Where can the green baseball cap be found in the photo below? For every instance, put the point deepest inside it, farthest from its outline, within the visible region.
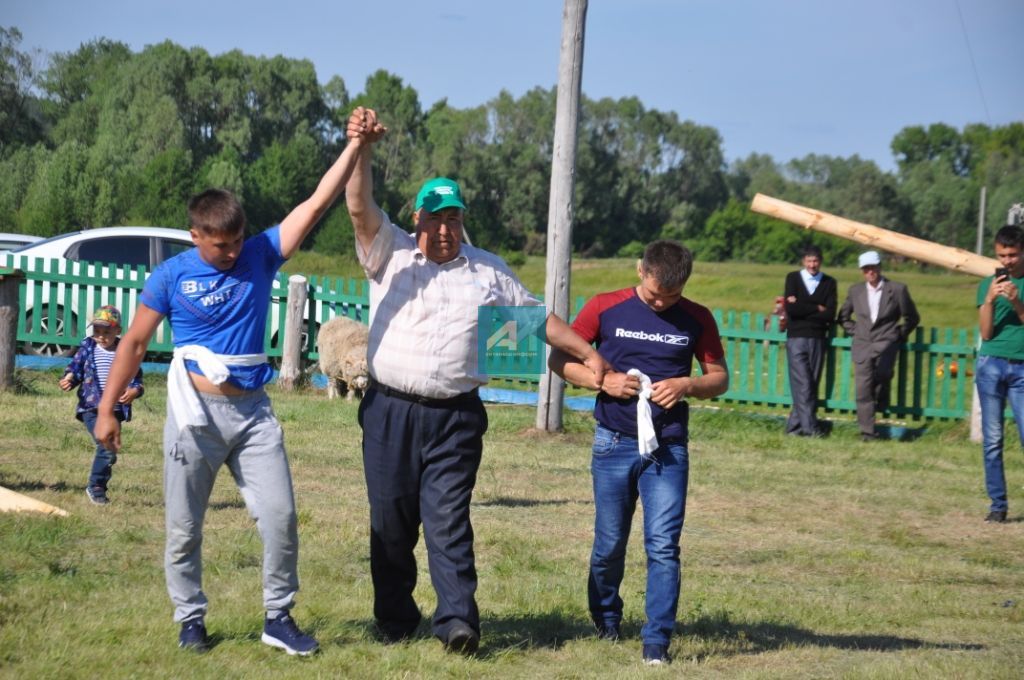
(439, 193)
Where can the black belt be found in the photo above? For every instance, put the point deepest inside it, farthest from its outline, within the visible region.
(458, 399)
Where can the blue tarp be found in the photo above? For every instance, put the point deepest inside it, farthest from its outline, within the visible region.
(488, 394)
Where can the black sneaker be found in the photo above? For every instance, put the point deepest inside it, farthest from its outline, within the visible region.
(282, 633)
(656, 655)
(997, 516)
(97, 494)
(462, 639)
(610, 632)
(193, 636)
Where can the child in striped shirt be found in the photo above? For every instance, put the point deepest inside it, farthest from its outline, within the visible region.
(88, 370)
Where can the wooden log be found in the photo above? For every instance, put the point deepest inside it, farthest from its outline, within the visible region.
(12, 501)
(919, 249)
(8, 326)
(291, 359)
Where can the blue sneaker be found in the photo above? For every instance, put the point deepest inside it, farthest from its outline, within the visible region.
(97, 494)
(655, 655)
(282, 633)
(193, 636)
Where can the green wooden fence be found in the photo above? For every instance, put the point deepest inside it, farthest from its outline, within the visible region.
(933, 371)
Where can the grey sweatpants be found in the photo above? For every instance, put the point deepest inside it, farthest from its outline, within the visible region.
(243, 433)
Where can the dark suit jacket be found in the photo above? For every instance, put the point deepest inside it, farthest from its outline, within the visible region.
(897, 319)
(804, 320)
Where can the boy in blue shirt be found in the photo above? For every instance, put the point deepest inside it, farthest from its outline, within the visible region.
(88, 370)
(216, 298)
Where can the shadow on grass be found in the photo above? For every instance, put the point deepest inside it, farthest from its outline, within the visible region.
(755, 638)
(22, 485)
(505, 502)
(537, 631)
(224, 505)
(899, 433)
(531, 631)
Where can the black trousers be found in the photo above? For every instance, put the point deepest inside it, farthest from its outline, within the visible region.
(420, 461)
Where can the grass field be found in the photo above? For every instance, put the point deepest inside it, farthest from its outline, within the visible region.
(944, 299)
(802, 559)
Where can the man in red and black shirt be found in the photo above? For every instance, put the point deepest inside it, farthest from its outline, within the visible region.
(651, 328)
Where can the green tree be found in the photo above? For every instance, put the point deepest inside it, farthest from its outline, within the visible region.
(59, 198)
(20, 120)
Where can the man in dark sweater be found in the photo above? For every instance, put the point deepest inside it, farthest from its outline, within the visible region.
(811, 301)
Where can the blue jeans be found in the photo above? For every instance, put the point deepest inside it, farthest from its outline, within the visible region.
(998, 381)
(621, 475)
(104, 459)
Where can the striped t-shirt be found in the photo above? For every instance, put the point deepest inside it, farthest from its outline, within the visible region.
(103, 358)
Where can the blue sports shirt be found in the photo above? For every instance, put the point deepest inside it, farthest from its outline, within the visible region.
(224, 311)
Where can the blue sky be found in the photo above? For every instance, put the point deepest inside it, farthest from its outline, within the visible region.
(787, 78)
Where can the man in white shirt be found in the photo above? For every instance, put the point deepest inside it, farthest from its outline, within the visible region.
(422, 418)
(880, 315)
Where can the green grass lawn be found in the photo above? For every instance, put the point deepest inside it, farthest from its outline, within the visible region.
(944, 299)
(801, 559)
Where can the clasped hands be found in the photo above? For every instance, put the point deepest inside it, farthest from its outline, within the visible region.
(665, 393)
(363, 125)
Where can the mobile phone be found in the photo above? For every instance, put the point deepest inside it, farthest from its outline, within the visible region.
(1001, 272)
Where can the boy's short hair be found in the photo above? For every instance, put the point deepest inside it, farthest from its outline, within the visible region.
(216, 211)
(1010, 236)
(669, 262)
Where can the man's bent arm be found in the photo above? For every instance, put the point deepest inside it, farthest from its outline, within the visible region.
(560, 335)
(572, 370)
(713, 383)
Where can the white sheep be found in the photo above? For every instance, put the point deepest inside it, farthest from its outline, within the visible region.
(341, 344)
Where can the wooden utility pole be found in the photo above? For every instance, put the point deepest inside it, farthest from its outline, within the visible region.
(981, 223)
(560, 205)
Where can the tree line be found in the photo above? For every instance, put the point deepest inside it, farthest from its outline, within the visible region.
(103, 136)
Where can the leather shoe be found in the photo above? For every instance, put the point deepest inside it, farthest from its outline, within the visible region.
(997, 516)
(462, 639)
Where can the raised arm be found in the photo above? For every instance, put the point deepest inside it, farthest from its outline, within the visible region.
(364, 211)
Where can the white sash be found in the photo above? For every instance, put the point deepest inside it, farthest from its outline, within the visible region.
(182, 399)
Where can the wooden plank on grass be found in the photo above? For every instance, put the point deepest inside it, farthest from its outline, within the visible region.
(12, 501)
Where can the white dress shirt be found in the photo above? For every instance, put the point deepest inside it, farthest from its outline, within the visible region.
(874, 298)
(811, 281)
(424, 315)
